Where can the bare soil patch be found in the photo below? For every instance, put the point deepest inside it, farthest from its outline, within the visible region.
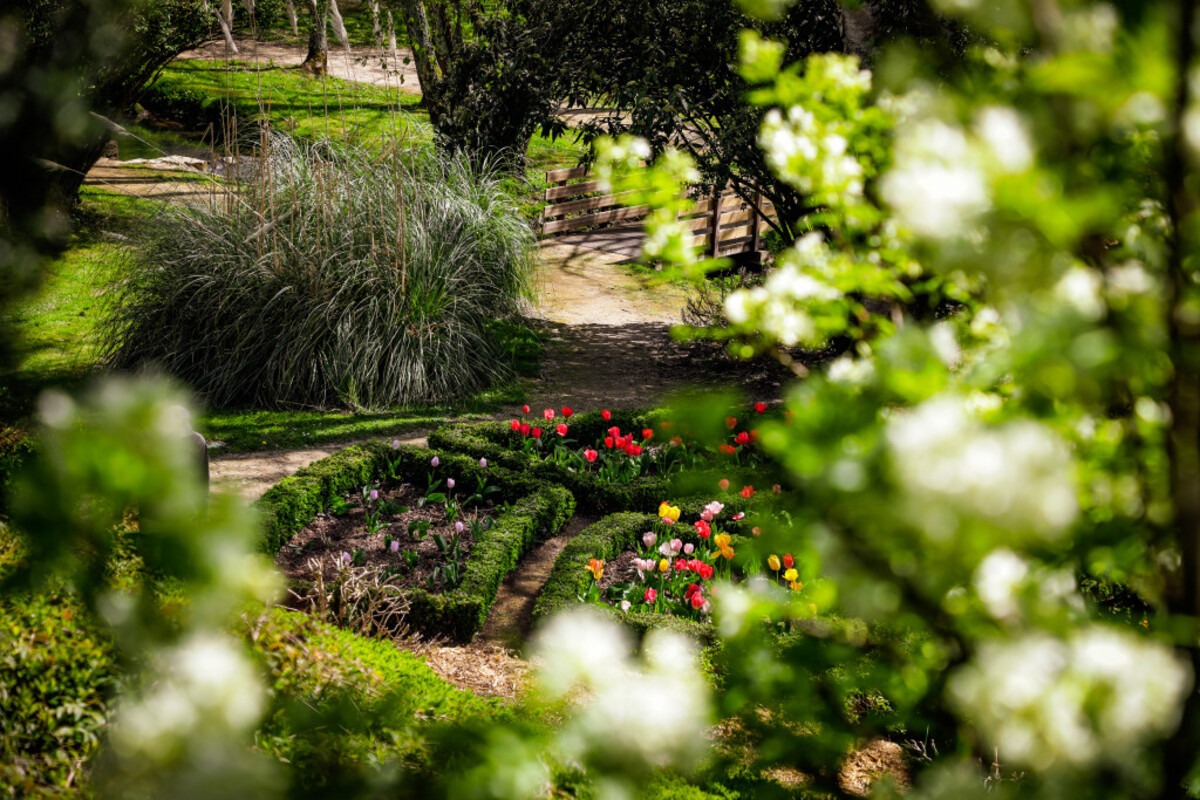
(412, 542)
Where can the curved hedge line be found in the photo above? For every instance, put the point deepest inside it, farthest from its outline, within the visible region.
(540, 511)
(570, 578)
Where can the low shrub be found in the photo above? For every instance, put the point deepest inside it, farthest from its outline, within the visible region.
(57, 674)
(337, 277)
(343, 704)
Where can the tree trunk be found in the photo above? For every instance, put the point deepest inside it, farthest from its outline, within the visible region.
(317, 60)
(1184, 400)
(425, 58)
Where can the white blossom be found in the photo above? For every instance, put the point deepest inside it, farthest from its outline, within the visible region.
(937, 187)
(1004, 132)
(653, 713)
(1016, 476)
(1096, 697)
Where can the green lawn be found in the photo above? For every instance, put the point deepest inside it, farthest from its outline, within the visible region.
(293, 101)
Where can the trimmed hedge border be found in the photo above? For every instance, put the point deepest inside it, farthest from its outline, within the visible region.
(540, 511)
(606, 539)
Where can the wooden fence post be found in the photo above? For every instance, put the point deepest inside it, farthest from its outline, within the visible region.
(714, 247)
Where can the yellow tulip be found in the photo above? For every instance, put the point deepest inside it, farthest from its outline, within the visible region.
(727, 553)
(596, 567)
(791, 575)
(664, 565)
(721, 540)
(773, 562)
(796, 586)
(668, 511)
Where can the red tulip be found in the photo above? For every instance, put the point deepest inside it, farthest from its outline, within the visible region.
(691, 590)
(724, 484)
(536, 433)
(697, 600)
(525, 428)
(747, 492)
(561, 429)
(590, 455)
(706, 571)
(548, 414)
(647, 434)
(515, 424)
(608, 442)
(703, 528)
(788, 561)
(567, 412)
(614, 431)
(524, 409)
(606, 415)
(681, 565)
(676, 441)
(731, 422)
(727, 448)
(742, 438)
(633, 449)
(650, 595)
(760, 407)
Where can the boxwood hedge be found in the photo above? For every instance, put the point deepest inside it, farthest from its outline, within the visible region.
(542, 510)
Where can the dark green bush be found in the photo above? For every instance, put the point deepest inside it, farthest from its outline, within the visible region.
(15, 449)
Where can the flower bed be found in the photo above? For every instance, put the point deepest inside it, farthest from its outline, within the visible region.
(456, 604)
(611, 461)
(651, 571)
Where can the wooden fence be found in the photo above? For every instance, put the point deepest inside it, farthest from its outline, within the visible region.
(722, 223)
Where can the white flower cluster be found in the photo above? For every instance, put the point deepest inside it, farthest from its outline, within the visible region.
(207, 692)
(1003, 580)
(939, 184)
(811, 154)
(953, 469)
(653, 715)
(776, 308)
(809, 145)
(1093, 698)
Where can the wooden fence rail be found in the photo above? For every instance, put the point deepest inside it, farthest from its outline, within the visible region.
(723, 224)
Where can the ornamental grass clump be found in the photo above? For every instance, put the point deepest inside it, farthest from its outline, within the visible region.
(333, 277)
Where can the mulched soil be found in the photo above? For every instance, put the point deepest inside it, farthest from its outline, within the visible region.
(320, 546)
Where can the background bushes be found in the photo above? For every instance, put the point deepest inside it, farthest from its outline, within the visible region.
(335, 277)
